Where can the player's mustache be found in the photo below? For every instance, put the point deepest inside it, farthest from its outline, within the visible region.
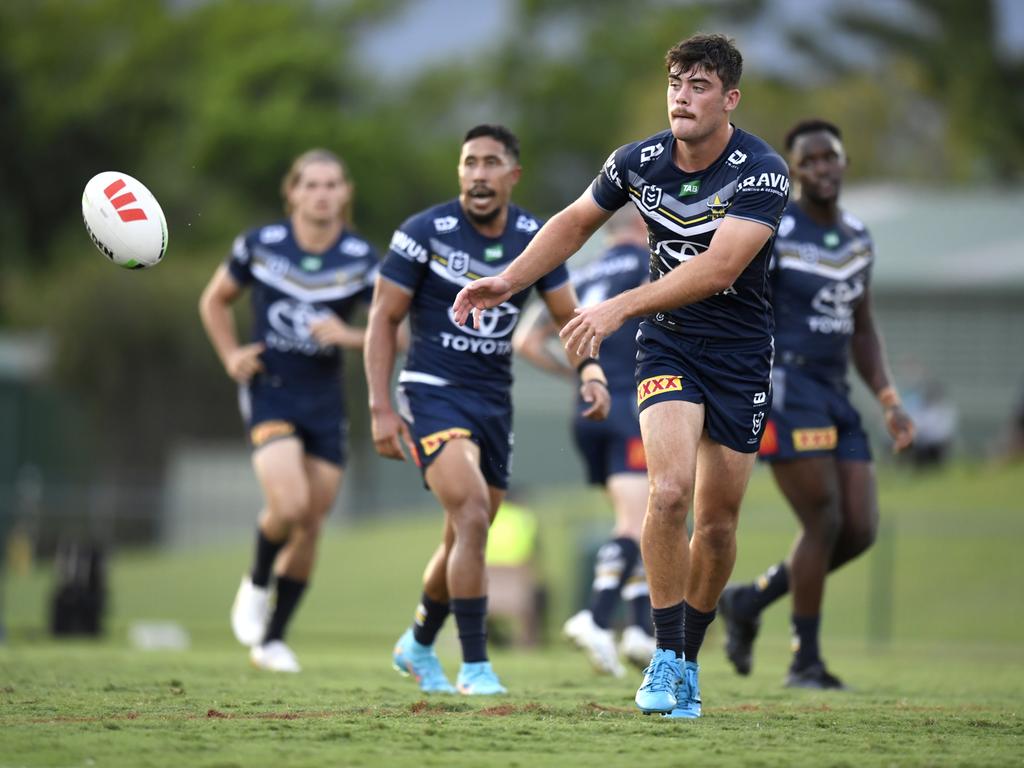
(481, 191)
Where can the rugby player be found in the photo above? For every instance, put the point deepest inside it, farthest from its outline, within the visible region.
(819, 453)
(712, 195)
(308, 273)
(454, 398)
(612, 450)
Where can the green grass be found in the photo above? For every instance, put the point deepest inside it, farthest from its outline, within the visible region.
(939, 678)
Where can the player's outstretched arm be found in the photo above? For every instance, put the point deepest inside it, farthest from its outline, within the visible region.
(733, 247)
(390, 306)
(562, 303)
(557, 240)
(868, 351)
(241, 362)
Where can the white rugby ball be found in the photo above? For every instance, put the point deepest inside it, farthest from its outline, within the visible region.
(124, 220)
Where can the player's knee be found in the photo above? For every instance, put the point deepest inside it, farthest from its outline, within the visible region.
(293, 508)
(822, 519)
(471, 519)
(860, 536)
(717, 534)
(669, 502)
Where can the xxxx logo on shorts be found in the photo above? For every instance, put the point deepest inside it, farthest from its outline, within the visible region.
(821, 439)
(657, 385)
(431, 443)
(266, 431)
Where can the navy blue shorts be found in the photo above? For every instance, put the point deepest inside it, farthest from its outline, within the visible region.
(731, 379)
(437, 414)
(612, 446)
(812, 417)
(272, 411)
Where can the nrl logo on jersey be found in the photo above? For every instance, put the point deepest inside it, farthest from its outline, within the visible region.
(458, 263)
(446, 224)
(649, 153)
(650, 197)
(611, 171)
(527, 224)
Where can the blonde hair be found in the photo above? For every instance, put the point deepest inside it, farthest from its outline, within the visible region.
(309, 157)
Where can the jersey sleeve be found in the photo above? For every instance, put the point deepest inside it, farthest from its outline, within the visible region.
(408, 255)
(609, 189)
(239, 261)
(554, 279)
(762, 193)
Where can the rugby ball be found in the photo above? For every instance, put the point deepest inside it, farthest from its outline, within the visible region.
(124, 220)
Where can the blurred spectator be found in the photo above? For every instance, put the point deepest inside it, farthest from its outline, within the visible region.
(936, 418)
(516, 591)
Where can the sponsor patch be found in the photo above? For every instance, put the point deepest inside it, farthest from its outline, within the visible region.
(431, 443)
(689, 188)
(656, 385)
(493, 252)
(266, 431)
(819, 439)
(636, 459)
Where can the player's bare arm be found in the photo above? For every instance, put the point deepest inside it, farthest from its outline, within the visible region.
(733, 247)
(557, 240)
(562, 304)
(332, 330)
(531, 338)
(241, 362)
(868, 352)
(390, 306)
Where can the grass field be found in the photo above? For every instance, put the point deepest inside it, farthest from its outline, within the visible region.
(928, 629)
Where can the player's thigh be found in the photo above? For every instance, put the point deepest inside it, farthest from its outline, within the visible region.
(455, 477)
(721, 480)
(628, 492)
(811, 486)
(282, 477)
(859, 497)
(671, 433)
(324, 481)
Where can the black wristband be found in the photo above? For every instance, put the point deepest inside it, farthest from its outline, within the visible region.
(584, 363)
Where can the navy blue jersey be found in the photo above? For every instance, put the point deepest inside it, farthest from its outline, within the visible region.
(620, 268)
(818, 278)
(683, 210)
(292, 288)
(433, 255)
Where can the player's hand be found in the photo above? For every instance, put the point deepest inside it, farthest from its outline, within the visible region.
(244, 363)
(901, 428)
(592, 325)
(595, 392)
(331, 330)
(479, 295)
(390, 433)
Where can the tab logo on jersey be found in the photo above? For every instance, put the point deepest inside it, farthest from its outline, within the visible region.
(831, 239)
(493, 252)
(458, 263)
(650, 152)
(446, 224)
(431, 443)
(689, 188)
(311, 263)
(650, 197)
(405, 246)
(820, 439)
(657, 385)
(527, 224)
(737, 158)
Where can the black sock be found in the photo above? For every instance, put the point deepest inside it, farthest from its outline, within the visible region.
(695, 625)
(668, 628)
(765, 590)
(805, 641)
(288, 593)
(615, 561)
(470, 618)
(266, 553)
(430, 616)
(638, 595)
